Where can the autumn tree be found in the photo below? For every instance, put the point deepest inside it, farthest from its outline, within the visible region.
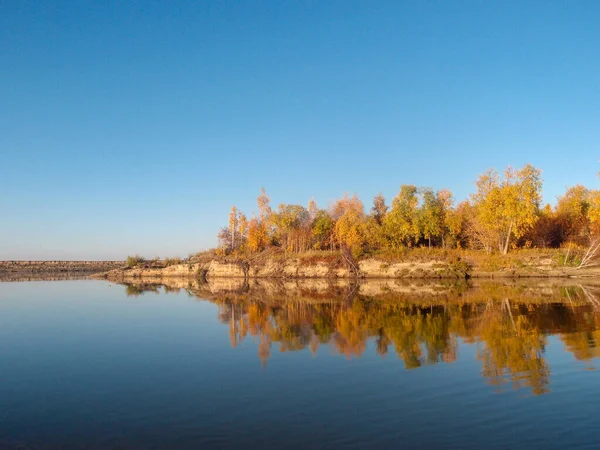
(292, 223)
(264, 207)
(546, 231)
(233, 237)
(233, 226)
(507, 208)
(430, 215)
(258, 238)
(373, 229)
(312, 209)
(400, 222)
(258, 229)
(593, 213)
(322, 231)
(224, 239)
(572, 215)
(374, 235)
(242, 231)
(456, 224)
(379, 209)
(445, 200)
(349, 216)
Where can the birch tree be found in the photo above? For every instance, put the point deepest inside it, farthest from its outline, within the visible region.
(430, 215)
(400, 222)
(233, 225)
(507, 208)
(349, 217)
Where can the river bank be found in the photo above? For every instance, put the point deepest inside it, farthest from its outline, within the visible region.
(414, 264)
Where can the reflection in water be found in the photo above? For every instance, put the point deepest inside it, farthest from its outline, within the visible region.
(421, 323)
(6, 277)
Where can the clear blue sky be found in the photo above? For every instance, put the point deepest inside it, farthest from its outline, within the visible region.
(133, 126)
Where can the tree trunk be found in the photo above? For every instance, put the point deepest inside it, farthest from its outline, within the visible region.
(505, 251)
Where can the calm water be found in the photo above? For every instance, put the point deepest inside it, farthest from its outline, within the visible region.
(92, 364)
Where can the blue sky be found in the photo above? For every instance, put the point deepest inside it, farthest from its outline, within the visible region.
(132, 127)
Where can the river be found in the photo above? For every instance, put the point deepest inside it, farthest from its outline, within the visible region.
(302, 364)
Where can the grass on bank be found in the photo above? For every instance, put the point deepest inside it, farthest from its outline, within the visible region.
(156, 263)
(518, 259)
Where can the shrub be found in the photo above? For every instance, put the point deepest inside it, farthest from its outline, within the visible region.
(133, 261)
(459, 267)
(172, 261)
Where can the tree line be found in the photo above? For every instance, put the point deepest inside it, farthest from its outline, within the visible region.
(504, 213)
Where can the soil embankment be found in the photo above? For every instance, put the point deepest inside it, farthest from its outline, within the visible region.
(412, 266)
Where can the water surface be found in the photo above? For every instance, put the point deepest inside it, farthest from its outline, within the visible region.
(92, 364)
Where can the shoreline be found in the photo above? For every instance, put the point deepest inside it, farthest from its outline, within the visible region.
(23, 267)
(412, 266)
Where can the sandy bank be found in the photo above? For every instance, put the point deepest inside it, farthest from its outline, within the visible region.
(335, 268)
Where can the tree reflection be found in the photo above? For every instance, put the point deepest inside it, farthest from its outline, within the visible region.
(508, 325)
(584, 342)
(513, 349)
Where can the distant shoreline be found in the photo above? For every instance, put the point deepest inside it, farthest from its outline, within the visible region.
(54, 267)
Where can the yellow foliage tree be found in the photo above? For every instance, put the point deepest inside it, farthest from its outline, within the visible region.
(349, 217)
(264, 208)
(258, 238)
(242, 230)
(233, 225)
(593, 213)
(400, 222)
(508, 208)
(572, 214)
(456, 223)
